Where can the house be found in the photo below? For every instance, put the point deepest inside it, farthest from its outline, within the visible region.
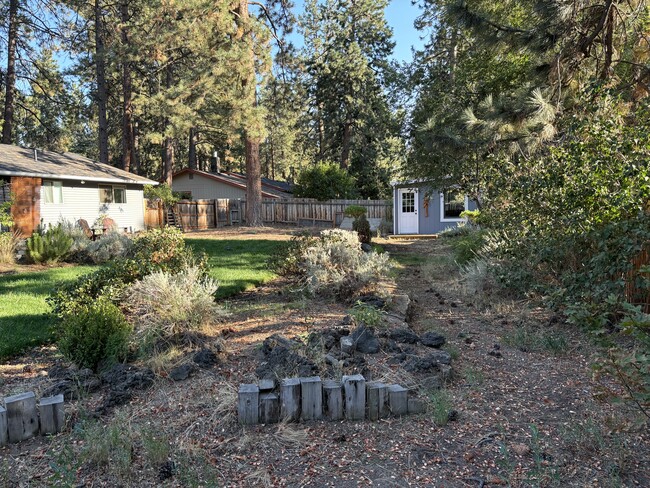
(201, 185)
(420, 209)
(48, 187)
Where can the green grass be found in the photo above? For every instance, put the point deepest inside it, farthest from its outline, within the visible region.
(23, 322)
(239, 265)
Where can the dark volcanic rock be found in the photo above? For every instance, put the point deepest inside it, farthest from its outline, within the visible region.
(428, 363)
(365, 340)
(433, 339)
(126, 377)
(280, 360)
(182, 372)
(206, 358)
(372, 300)
(405, 336)
(389, 345)
(72, 383)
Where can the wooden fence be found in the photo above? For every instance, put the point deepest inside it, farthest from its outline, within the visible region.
(635, 294)
(209, 214)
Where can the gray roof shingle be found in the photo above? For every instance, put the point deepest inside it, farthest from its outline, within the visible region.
(20, 161)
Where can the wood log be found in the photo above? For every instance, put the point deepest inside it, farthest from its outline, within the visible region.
(376, 400)
(3, 427)
(354, 387)
(333, 400)
(290, 399)
(266, 384)
(312, 398)
(22, 417)
(416, 405)
(398, 400)
(248, 405)
(52, 414)
(269, 411)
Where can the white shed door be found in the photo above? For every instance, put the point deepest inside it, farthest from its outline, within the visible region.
(408, 211)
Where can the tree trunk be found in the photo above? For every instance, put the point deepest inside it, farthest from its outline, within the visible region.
(7, 126)
(346, 143)
(168, 160)
(253, 169)
(102, 90)
(128, 142)
(192, 148)
(135, 166)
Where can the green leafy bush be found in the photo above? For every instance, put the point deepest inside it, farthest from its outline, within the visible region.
(155, 250)
(49, 247)
(287, 260)
(161, 192)
(467, 246)
(164, 305)
(325, 182)
(97, 333)
(355, 211)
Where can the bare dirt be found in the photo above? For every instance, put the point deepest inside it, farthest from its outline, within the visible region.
(523, 417)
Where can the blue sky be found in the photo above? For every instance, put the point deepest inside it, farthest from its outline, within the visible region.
(400, 15)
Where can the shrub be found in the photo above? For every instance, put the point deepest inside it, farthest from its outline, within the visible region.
(50, 246)
(112, 245)
(163, 305)
(335, 264)
(355, 211)
(156, 250)
(8, 245)
(287, 260)
(96, 333)
(362, 227)
(467, 246)
(325, 182)
(161, 192)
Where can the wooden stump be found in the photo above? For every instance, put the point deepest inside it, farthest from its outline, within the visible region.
(22, 418)
(398, 400)
(3, 427)
(376, 398)
(266, 385)
(312, 398)
(290, 399)
(52, 414)
(248, 406)
(416, 405)
(269, 410)
(333, 400)
(355, 397)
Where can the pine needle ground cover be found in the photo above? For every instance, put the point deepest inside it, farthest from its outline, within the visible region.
(23, 322)
(238, 265)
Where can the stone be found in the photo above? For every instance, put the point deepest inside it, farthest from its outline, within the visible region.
(290, 399)
(125, 377)
(206, 358)
(347, 345)
(391, 346)
(22, 417)
(433, 339)
(427, 363)
(354, 387)
(52, 415)
(373, 301)
(365, 341)
(392, 321)
(182, 372)
(400, 304)
(281, 361)
(248, 404)
(405, 336)
(366, 247)
(72, 383)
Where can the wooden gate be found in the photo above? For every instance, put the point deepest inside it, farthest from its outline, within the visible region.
(26, 210)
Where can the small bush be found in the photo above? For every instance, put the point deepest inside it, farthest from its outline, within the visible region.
(355, 211)
(8, 245)
(366, 314)
(112, 245)
(467, 246)
(362, 227)
(50, 246)
(287, 261)
(164, 305)
(96, 333)
(335, 264)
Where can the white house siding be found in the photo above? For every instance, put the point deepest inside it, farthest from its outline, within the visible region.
(82, 202)
(203, 188)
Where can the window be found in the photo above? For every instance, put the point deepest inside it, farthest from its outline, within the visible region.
(112, 194)
(53, 192)
(408, 202)
(452, 204)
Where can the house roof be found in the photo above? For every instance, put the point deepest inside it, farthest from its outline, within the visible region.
(236, 180)
(20, 161)
(283, 186)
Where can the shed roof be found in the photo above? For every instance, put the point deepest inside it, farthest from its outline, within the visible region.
(20, 161)
(236, 180)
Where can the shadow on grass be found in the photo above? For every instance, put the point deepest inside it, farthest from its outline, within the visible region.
(20, 332)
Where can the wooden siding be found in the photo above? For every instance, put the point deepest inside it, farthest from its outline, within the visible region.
(208, 214)
(82, 202)
(26, 207)
(203, 188)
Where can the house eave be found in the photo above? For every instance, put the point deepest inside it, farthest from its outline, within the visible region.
(76, 178)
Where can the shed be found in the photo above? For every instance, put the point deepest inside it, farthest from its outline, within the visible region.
(420, 209)
(201, 185)
(48, 187)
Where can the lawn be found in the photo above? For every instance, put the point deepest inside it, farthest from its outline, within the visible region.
(22, 306)
(238, 265)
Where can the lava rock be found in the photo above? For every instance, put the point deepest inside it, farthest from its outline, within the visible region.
(433, 339)
(405, 336)
(401, 304)
(205, 358)
(452, 416)
(72, 383)
(347, 320)
(366, 247)
(428, 363)
(495, 354)
(390, 345)
(182, 372)
(373, 301)
(126, 377)
(166, 470)
(365, 340)
(280, 360)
